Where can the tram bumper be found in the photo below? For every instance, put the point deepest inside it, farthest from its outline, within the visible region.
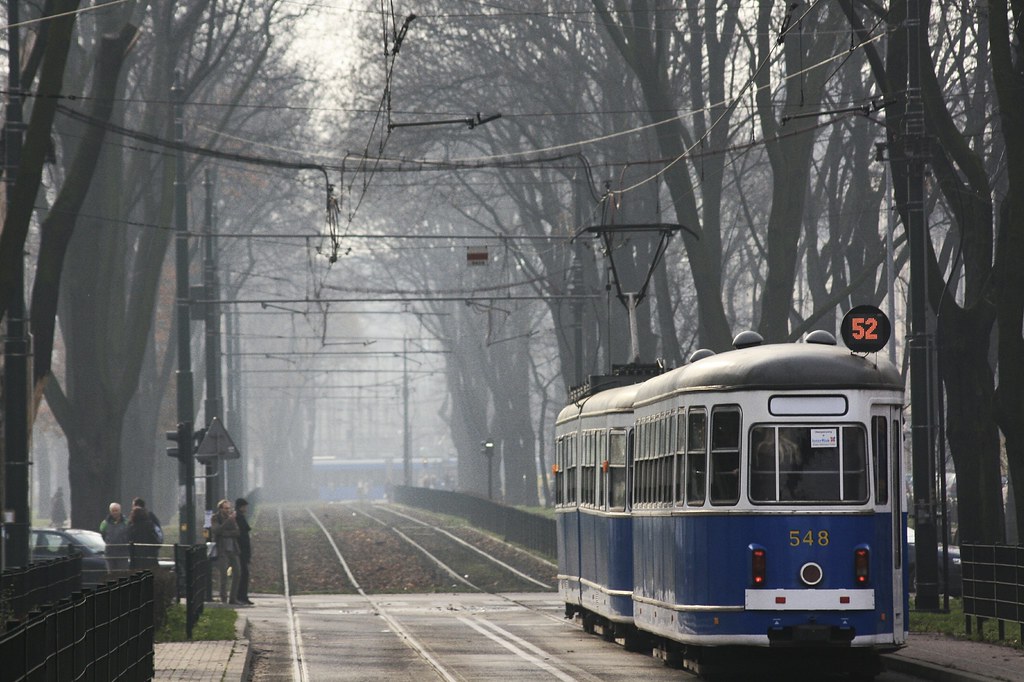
(811, 634)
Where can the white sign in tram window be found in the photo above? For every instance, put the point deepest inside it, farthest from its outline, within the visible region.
(824, 438)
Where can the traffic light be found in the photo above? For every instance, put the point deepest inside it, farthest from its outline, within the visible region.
(487, 449)
(182, 437)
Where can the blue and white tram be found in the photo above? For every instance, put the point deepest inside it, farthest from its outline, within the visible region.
(765, 499)
(591, 443)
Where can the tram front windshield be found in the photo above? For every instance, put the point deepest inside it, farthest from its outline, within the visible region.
(814, 464)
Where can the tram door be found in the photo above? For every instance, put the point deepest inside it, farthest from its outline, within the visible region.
(887, 440)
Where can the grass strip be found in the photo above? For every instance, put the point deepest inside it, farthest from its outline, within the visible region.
(215, 624)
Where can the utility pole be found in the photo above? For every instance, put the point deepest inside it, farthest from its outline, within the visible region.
(186, 413)
(233, 469)
(17, 344)
(406, 436)
(926, 538)
(216, 485)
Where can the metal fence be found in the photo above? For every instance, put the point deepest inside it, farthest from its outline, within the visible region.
(993, 582)
(523, 528)
(98, 634)
(25, 589)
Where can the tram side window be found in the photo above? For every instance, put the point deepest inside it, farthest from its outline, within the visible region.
(696, 456)
(617, 471)
(763, 465)
(638, 468)
(602, 457)
(855, 466)
(880, 458)
(663, 490)
(725, 455)
(587, 469)
(560, 472)
(680, 455)
(641, 483)
(570, 470)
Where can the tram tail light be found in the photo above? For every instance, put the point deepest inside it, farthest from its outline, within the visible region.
(861, 571)
(758, 566)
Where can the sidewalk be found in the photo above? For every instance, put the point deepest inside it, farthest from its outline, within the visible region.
(206, 661)
(946, 659)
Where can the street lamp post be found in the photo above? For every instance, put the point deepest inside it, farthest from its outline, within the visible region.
(487, 450)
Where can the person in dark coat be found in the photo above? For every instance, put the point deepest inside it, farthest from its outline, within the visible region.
(139, 502)
(142, 535)
(244, 549)
(58, 513)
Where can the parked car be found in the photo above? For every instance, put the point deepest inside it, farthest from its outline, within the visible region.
(955, 569)
(53, 543)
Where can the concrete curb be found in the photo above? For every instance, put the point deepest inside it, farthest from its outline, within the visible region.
(240, 663)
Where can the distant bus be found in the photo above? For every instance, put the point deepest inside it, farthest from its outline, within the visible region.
(369, 479)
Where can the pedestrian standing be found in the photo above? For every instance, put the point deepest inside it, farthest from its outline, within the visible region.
(244, 549)
(58, 513)
(114, 530)
(158, 529)
(142, 536)
(224, 528)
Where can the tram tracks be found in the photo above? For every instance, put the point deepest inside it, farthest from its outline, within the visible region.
(460, 560)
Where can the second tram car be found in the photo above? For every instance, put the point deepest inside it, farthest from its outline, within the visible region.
(591, 444)
(764, 507)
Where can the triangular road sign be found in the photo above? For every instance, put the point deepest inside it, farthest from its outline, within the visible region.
(217, 443)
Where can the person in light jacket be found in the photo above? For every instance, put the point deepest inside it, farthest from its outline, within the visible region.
(114, 530)
(224, 529)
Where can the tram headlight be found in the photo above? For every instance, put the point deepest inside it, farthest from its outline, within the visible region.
(811, 574)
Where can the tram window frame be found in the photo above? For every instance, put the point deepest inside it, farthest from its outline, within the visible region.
(560, 471)
(679, 453)
(846, 475)
(896, 466)
(667, 461)
(636, 483)
(571, 495)
(880, 458)
(724, 469)
(602, 457)
(696, 456)
(617, 490)
(586, 471)
(640, 465)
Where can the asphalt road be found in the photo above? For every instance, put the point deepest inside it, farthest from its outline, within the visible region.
(441, 637)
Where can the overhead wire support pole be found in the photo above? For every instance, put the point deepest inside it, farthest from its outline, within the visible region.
(216, 485)
(185, 407)
(926, 537)
(633, 299)
(17, 344)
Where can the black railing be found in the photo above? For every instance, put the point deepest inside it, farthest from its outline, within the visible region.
(523, 528)
(104, 633)
(193, 569)
(25, 589)
(993, 582)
